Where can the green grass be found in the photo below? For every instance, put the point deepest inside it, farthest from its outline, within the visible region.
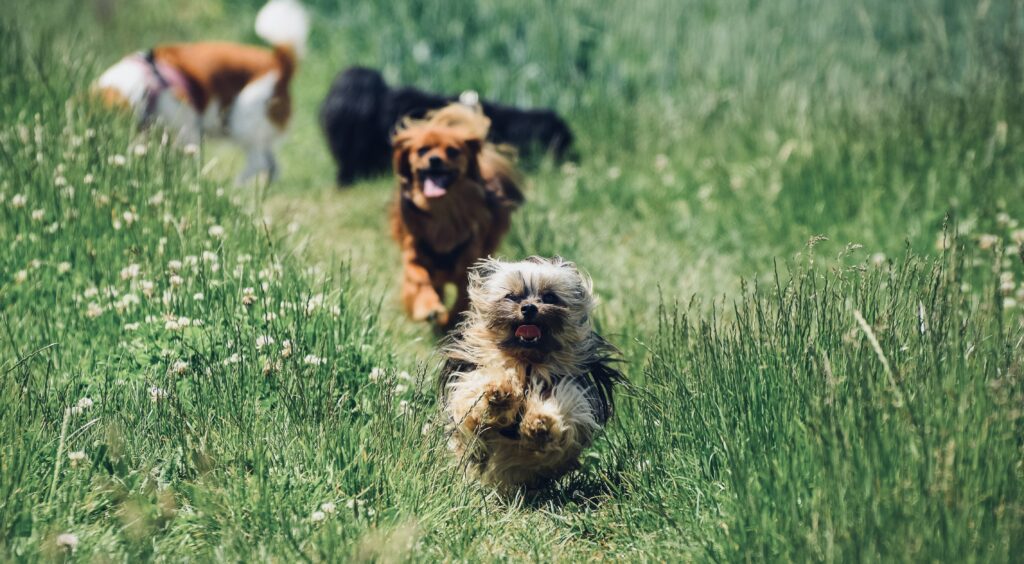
(803, 223)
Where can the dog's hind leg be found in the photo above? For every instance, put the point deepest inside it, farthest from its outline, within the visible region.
(257, 160)
(250, 126)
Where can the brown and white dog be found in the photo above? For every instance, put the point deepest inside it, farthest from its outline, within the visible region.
(218, 88)
(454, 205)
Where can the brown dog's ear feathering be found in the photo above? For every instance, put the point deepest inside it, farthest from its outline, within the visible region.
(400, 157)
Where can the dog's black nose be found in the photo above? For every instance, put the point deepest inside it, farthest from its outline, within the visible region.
(529, 311)
(436, 162)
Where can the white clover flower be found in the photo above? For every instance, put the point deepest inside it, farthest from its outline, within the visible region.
(269, 316)
(286, 348)
(91, 292)
(18, 201)
(425, 429)
(198, 296)
(176, 280)
(35, 264)
(421, 52)
(38, 215)
(614, 173)
(216, 231)
(85, 403)
(191, 260)
(134, 326)
(404, 409)
(67, 541)
(263, 341)
(172, 325)
(93, 310)
(116, 224)
(376, 374)
(129, 218)
(317, 516)
(244, 258)
(156, 199)
(117, 160)
(986, 241)
(76, 457)
(660, 162)
(400, 389)
(156, 394)
(140, 150)
(179, 367)
(191, 149)
(313, 360)
(1018, 236)
(404, 375)
(21, 276)
(130, 271)
(233, 359)
(248, 296)
(174, 265)
(147, 287)
(64, 268)
(314, 302)
(328, 507)
(88, 179)
(336, 311)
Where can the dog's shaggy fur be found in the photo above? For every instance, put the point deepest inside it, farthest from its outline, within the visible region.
(361, 110)
(218, 88)
(454, 204)
(527, 383)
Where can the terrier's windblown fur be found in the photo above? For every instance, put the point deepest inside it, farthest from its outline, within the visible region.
(218, 88)
(527, 383)
(455, 200)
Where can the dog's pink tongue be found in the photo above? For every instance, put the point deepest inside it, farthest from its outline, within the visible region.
(432, 190)
(528, 332)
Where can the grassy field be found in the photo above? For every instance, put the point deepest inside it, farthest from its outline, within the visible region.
(804, 221)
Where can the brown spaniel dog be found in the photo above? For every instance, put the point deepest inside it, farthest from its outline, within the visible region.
(455, 201)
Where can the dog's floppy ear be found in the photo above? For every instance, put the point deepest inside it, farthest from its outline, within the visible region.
(473, 147)
(481, 271)
(400, 157)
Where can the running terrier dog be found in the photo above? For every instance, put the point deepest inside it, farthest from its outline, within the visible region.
(527, 382)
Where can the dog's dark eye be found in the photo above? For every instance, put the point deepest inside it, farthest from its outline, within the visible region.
(423, 151)
(550, 298)
(452, 152)
(513, 297)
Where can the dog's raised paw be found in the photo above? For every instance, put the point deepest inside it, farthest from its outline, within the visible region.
(502, 403)
(540, 429)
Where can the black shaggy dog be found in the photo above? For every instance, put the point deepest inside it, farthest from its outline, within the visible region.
(361, 110)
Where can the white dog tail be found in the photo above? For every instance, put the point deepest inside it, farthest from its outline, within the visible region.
(284, 24)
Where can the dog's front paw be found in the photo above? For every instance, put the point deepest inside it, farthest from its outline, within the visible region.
(540, 430)
(501, 402)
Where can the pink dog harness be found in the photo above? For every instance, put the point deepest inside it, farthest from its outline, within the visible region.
(161, 77)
